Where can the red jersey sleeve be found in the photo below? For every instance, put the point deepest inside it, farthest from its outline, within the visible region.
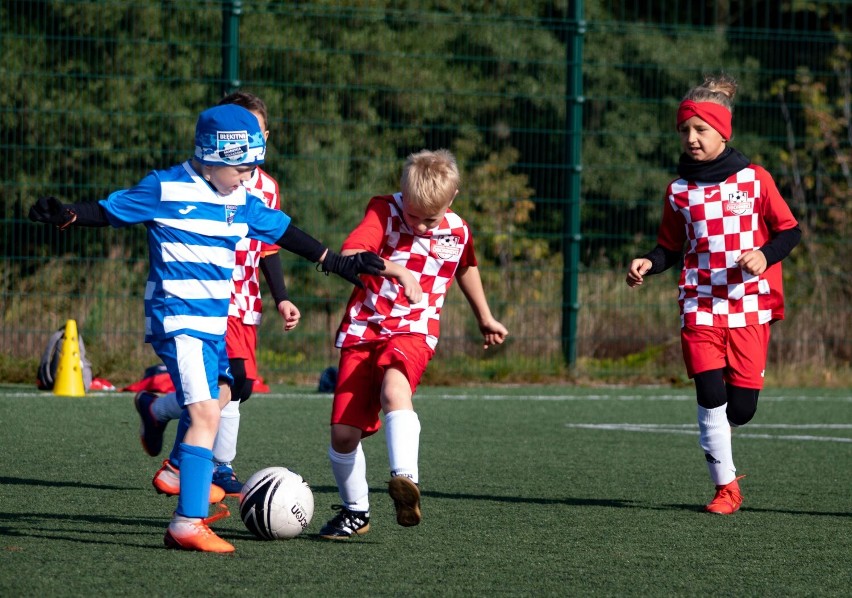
(369, 235)
(468, 258)
(776, 214)
(672, 232)
(272, 198)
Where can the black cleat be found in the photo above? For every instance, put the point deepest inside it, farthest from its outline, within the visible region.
(150, 430)
(346, 524)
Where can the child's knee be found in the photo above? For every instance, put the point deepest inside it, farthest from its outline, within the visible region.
(344, 439)
(742, 405)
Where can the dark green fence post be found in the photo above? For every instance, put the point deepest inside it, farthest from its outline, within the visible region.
(571, 208)
(231, 45)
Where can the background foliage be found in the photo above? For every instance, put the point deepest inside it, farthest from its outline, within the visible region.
(95, 94)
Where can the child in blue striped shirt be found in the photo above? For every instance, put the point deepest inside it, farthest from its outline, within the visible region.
(195, 213)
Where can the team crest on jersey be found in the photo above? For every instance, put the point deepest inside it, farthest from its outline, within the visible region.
(232, 146)
(230, 212)
(738, 203)
(446, 247)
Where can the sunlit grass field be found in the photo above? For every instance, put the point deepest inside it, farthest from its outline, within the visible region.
(527, 490)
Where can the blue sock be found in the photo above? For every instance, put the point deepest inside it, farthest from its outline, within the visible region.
(183, 426)
(196, 475)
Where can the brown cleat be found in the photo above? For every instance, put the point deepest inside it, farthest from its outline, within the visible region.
(406, 500)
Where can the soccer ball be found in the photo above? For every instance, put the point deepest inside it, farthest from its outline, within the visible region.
(276, 504)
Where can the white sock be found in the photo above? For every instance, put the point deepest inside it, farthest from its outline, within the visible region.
(350, 473)
(715, 439)
(402, 434)
(166, 407)
(225, 445)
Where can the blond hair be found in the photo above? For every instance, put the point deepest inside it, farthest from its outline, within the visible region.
(719, 89)
(430, 179)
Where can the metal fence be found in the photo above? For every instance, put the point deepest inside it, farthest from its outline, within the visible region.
(96, 94)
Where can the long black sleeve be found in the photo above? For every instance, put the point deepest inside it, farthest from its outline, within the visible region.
(90, 213)
(270, 265)
(301, 243)
(781, 246)
(662, 259)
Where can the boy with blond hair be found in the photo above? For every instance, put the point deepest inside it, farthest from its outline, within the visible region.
(390, 330)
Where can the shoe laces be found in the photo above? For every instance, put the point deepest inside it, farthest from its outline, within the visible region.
(224, 470)
(346, 517)
(729, 491)
(198, 526)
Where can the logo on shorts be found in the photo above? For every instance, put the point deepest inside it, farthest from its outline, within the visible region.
(446, 247)
(232, 146)
(738, 204)
(230, 212)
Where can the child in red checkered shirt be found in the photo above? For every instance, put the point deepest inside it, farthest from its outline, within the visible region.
(390, 329)
(725, 217)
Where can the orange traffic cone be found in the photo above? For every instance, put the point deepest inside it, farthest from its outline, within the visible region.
(69, 371)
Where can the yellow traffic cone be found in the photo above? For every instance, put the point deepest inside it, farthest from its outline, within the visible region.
(69, 372)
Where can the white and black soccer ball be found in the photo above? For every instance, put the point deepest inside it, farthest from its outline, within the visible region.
(276, 504)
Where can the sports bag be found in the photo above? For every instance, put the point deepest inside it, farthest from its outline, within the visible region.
(50, 361)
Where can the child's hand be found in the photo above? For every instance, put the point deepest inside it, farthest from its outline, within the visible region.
(753, 262)
(350, 266)
(290, 313)
(636, 274)
(410, 286)
(494, 332)
(50, 210)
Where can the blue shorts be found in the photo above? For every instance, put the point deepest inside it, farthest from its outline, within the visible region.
(196, 366)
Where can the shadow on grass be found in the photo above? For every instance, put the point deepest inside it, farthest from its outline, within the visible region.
(33, 525)
(59, 484)
(620, 504)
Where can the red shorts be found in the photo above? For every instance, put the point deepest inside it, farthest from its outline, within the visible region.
(739, 352)
(241, 343)
(357, 399)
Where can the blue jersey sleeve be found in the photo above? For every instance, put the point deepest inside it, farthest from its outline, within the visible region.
(135, 205)
(264, 223)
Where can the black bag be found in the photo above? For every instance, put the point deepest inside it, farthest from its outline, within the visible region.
(50, 361)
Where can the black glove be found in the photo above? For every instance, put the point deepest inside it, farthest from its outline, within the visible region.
(350, 266)
(51, 211)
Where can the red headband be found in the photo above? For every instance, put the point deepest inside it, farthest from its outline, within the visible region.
(715, 115)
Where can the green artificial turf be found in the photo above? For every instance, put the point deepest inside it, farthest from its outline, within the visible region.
(527, 491)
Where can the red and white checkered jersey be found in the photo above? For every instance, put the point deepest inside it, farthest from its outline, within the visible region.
(381, 309)
(245, 293)
(718, 222)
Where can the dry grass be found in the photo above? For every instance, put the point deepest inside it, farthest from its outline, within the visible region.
(623, 335)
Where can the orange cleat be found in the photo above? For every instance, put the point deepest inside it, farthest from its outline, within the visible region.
(406, 500)
(222, 512)
(727, 500)
(167, 481)
(193, 534)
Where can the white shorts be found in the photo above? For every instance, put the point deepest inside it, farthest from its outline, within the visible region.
(196, 365)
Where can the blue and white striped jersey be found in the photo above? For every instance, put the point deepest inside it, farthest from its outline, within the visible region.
(192, 234)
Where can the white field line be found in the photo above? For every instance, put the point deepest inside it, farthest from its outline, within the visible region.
(613, 397)
(692, 430)
(765, 397)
